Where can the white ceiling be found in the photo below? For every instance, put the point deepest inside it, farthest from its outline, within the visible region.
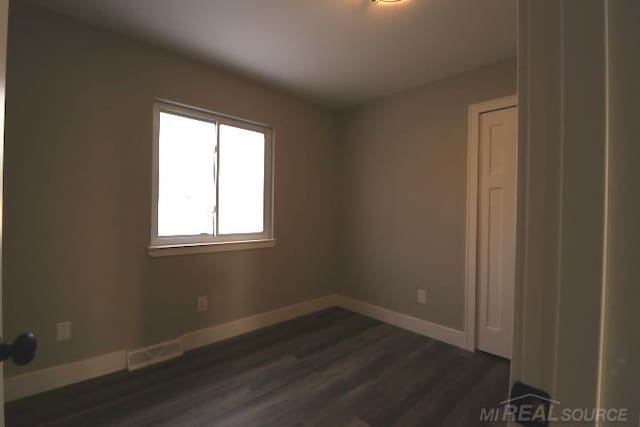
(335, 52)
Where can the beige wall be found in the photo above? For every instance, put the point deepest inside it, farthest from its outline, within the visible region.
(539, 188)
(370, 202)
(382, 190)
(404, 194)
(621, 364)
(78, 182)
(581, 248)
(561, 198)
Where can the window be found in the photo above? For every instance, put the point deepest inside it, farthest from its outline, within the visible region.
(212, 182)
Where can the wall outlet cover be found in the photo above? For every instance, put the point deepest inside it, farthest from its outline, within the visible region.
(422, 296)
(63, 331)
(203, 304)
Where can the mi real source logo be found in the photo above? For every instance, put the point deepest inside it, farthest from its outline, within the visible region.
(534, 410)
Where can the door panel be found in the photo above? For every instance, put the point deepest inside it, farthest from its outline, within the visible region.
(496, 231)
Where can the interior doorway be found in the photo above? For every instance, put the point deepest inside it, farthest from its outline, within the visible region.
(491, 226)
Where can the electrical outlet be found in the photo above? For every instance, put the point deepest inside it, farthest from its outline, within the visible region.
(63, 331)
(203, 304)
(422, 296)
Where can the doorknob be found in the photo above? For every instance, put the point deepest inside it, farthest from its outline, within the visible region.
(22, 351)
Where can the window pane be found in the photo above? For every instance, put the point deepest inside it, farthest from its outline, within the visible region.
(241, 186)
(186, 183)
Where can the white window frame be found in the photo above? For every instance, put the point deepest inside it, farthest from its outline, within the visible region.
(180, 245)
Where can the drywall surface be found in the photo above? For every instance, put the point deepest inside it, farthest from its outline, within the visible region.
(404, 171)
(621, 363)
(561, 212)
(78, 194)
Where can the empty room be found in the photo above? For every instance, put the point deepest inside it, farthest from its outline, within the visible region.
(359, 213)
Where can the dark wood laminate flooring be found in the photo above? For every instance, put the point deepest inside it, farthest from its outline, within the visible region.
(331, 368)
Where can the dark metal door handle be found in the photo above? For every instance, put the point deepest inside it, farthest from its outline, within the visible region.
(22, 351)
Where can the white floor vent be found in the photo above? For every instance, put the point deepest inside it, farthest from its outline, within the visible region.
(137, 359)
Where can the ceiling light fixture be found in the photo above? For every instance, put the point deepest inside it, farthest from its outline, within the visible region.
(386, 1)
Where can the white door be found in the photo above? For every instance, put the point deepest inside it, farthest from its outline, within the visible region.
(496, 230)
(4, 16)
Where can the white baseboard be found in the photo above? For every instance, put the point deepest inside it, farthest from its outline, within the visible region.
(43, 380)
(59, 376)
(62, 375)
(225, 331)
(423, 327)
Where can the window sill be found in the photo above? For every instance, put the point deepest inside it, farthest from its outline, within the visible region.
(177, 250)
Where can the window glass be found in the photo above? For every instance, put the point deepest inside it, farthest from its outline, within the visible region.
(241, 186)
(186, 176)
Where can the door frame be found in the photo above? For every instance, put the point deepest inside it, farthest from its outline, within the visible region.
(473, 158)
(4, 24)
